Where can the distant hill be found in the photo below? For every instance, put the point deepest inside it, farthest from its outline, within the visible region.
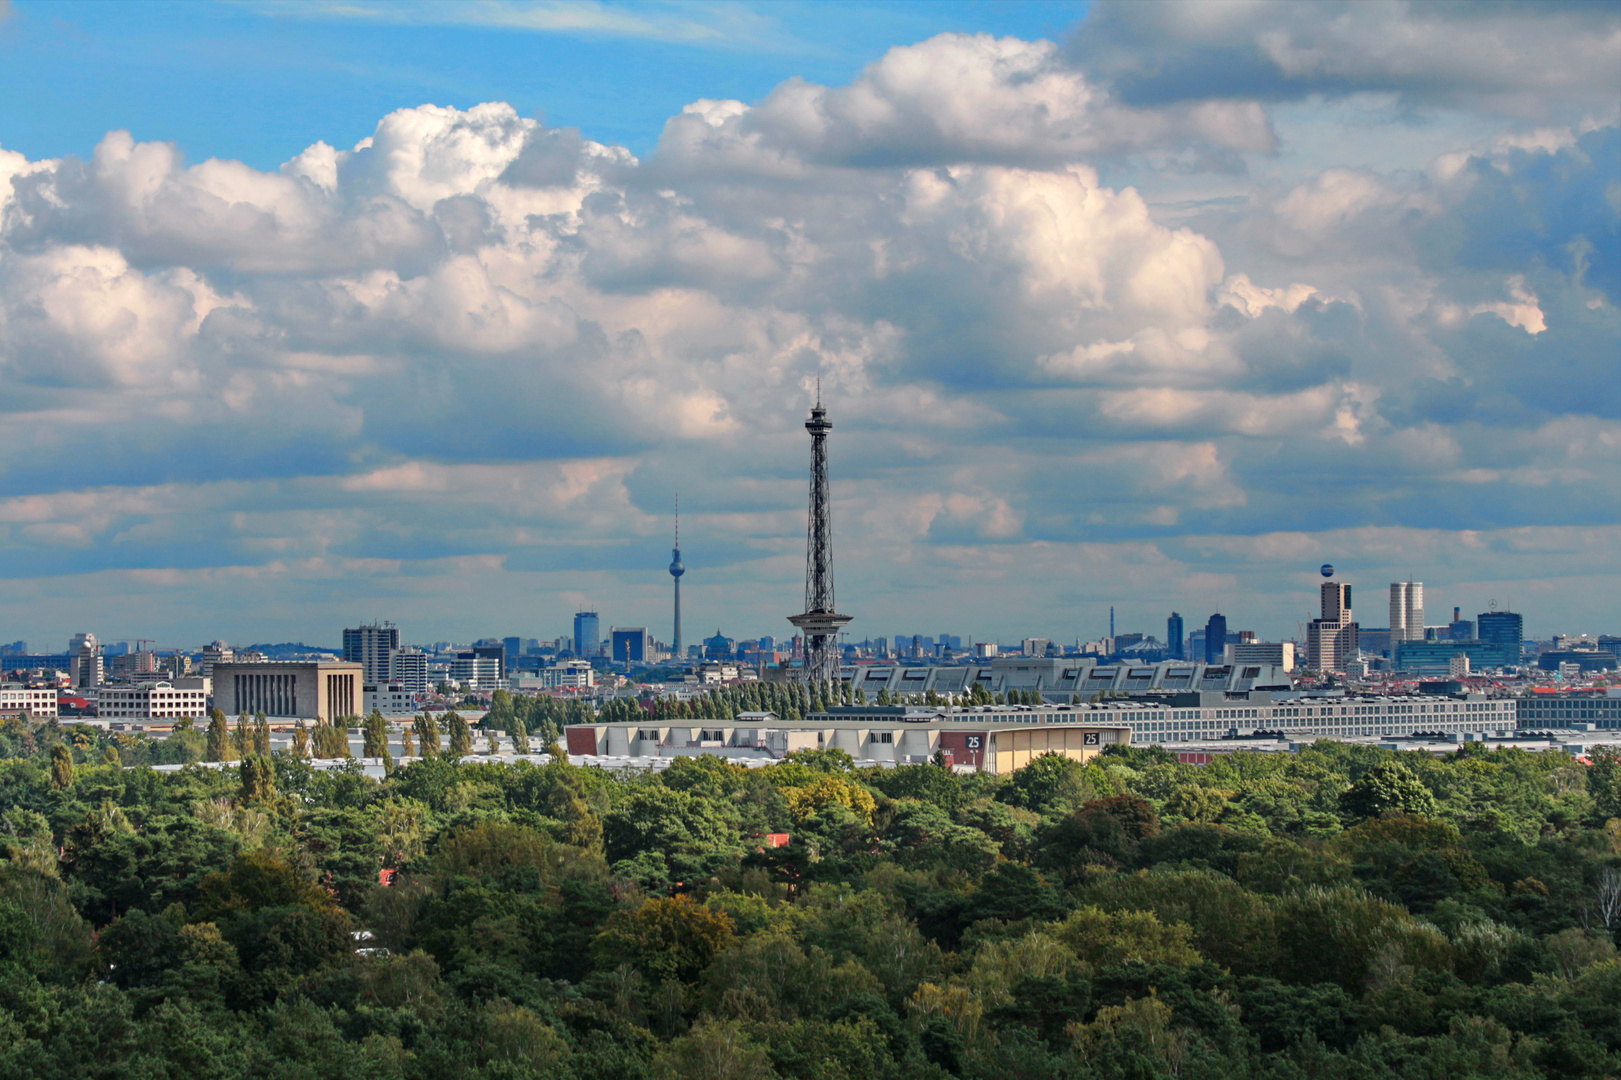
(291, 648)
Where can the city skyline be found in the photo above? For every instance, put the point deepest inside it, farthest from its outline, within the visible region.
(1094, 336)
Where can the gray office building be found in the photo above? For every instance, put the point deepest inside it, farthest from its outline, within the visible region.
(372, 646)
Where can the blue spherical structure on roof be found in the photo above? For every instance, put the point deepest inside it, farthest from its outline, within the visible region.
(1328, 570)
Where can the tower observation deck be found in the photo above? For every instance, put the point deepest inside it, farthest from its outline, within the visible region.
(820, 623)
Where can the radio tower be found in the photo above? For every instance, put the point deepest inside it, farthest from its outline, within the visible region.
(676, 570)
(820, 624)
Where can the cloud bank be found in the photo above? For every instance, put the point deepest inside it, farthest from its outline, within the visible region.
(455, 374)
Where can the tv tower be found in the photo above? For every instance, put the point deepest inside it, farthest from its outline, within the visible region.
(820, 623)
(676, 570)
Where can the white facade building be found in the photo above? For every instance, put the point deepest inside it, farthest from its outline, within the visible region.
(410, 666)
(1280, 654)
(478, 672)
(568, 675)
(15, 698)
(154, 700)
(390, 699)
(1406, 611)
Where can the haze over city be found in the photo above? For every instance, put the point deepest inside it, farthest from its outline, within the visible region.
(428, 313)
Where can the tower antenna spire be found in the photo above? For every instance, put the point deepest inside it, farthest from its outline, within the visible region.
(820, 623)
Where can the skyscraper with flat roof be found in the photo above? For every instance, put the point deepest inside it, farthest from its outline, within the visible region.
(372, 646)
(1406, 611)
(587, 633)
(1504, 627)
(1174, 633)
(1215, 639)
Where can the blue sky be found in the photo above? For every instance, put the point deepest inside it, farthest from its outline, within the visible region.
(316, 312)
(259, 81)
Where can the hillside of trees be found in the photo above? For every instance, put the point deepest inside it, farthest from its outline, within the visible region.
(1343, 912)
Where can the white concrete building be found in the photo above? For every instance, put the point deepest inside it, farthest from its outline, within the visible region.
(1406, 611)
(477, 672)
(1066, 679)
(410, 666)
(154, 700)
(390, 699)
(966, 739)
(15, 699)
(1279, 654)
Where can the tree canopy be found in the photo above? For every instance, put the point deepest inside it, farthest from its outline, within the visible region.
(1344, 911)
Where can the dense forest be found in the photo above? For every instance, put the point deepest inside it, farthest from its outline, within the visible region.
(1344, 911)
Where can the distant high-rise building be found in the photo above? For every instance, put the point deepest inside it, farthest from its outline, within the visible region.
(372, 645)
(85, 663)
(410, 669)
(1406, 611)
(587, 633)
(1461, 629)
(1034, 646)
(1215, 639)
(216, 652)
(498, 653)
(1331, 638)
(1174, 633)
(1505, 628)
(513, 647)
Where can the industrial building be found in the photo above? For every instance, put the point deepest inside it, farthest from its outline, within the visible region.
(993, 741)
(912, 734)
(1063, 681)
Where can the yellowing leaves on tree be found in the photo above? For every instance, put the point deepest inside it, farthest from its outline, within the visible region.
(808, 800)
(1103, 938)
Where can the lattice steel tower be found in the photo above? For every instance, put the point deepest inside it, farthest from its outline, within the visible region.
(820, 624)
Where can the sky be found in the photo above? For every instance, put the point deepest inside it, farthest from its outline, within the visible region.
(313, 313)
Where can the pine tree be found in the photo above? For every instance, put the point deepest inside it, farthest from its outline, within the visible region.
(301, 740)
(219, 737)
(61, 767)
(520, 737)
(261, 729)
(244, 738)
(492, 743)
(408, 747)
